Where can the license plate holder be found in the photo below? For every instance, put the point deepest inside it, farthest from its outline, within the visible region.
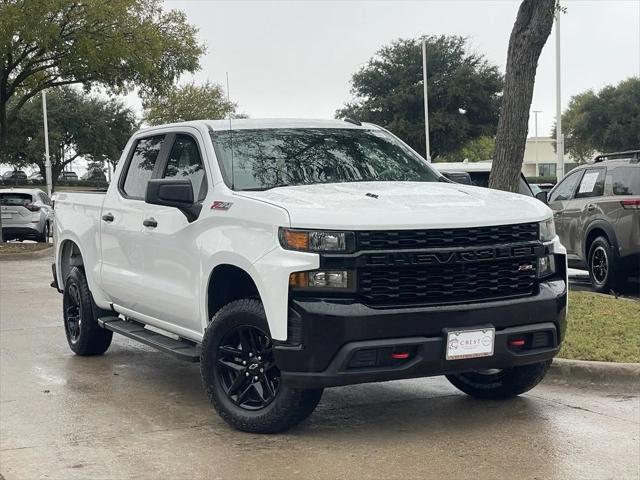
(470, 343)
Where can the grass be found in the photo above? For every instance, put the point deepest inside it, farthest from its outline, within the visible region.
(17, 247)
(603, 328)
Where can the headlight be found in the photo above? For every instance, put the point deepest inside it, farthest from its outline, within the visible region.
(547, 230)
(316, 240)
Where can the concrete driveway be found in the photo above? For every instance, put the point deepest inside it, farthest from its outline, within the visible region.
(137, 413)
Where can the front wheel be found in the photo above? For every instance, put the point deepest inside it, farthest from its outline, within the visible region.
(500, 384)
(240, 376)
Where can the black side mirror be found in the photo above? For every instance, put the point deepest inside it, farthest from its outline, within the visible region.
(542, 196)
(173, 193)
(459, 177)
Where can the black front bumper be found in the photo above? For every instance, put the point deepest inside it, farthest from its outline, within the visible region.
(331, 333)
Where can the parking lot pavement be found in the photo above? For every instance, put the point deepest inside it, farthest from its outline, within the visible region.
(579, 281)
(137, 413)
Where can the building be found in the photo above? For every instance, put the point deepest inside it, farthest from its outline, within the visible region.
(540, 158)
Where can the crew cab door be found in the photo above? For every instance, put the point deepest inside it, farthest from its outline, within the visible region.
(121, 229)
(172, 254)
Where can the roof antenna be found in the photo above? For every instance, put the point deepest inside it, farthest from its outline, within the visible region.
(230, 133)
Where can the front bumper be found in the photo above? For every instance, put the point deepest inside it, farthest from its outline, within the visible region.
(331, 333)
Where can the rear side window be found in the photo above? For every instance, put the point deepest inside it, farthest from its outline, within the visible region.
(626, 180)
(141, 166)
(15, 199)
(185, 163)
(564, 191)
(592, 183)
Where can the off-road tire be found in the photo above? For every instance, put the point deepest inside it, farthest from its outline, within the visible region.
(289, 406)
(612, 279)
(91, 339)
(506, 383)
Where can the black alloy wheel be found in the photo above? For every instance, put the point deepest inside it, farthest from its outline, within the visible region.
(246, 367)
(72, 305)
(600, 265)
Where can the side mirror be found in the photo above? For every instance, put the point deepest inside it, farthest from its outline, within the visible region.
(459, 177)
(173, 193)
(542, 196)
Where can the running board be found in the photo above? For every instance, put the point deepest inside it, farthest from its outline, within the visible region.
(182, 349)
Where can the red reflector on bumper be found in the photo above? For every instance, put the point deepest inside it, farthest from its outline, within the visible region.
(517, 342)
(400, 355)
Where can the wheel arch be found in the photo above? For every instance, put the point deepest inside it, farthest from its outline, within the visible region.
(597, 229)
(228, 282)
(69, 256)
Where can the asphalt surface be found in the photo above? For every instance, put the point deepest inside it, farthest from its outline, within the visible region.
(137, 413)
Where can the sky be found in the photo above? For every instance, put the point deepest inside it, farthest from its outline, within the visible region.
(296, 58)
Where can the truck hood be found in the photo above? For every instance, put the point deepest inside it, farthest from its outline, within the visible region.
(400, 205)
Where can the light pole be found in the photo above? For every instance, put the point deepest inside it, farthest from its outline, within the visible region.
(559, 137)
(47, 160)
(426, 99)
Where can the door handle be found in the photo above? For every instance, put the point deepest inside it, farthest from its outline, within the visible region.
(107, 217)
(150, 222)
(591, 207)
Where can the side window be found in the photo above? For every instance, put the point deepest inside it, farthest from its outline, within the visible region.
(592, 183)
(141, 166)
(565, 190)
(626, 180)
(185, 163)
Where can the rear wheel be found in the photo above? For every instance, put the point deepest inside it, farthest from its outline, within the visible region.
(44, 236)
(500, 384)
(240, 375)
(84, 335)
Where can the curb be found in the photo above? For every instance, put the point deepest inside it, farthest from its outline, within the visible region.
(27, 255)
(588, 372)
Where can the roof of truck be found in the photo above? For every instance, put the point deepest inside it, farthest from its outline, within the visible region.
(259, 123)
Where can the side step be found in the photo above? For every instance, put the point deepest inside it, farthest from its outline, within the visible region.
(182, 349)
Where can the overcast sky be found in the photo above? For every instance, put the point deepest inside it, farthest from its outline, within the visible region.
(295, 59)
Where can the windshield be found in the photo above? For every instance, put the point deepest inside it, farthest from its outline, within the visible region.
(267, 158)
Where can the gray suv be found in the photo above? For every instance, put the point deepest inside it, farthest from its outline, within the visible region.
(597, 215)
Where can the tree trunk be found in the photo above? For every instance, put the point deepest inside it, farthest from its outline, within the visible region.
(530, 32)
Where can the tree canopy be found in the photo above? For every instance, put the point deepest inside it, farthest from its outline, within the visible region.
(79, 126)
(119, 44)
(463, 88)
(606, 121)
(189, 102)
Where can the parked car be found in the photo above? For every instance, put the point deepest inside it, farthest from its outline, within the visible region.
(597, 214)
(26, 214)
(16, 175)
(287, 256)
(478, 174)
(68, 176)
(95, 175)
(36, 177)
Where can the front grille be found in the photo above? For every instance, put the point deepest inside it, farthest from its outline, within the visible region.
(446, 237)
(448, 283)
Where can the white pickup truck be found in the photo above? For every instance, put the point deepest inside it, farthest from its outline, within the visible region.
(287, 256)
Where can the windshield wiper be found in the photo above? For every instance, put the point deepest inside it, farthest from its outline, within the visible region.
(262, 189)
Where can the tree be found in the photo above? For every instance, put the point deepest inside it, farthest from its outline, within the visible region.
(530, 32)
(464, 93)
(189, 102)
(607, 121)
(476, 150)
(119, 44)
(79, 126)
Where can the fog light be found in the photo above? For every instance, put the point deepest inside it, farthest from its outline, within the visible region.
(546, 266)
(331, 279)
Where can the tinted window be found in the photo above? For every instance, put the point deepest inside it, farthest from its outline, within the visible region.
(267, 158)
(141, 166)
(626, 180)
(185, 163)
(564, 191)
(15, 199)
(592, 183)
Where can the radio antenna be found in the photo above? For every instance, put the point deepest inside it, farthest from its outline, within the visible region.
(230, 133)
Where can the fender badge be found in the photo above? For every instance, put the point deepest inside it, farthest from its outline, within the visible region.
(372, 195)
(218, 205)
